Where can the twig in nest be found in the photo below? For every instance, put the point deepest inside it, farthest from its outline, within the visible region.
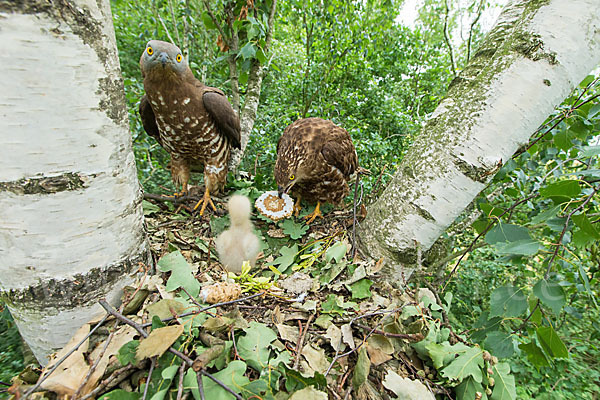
(95, 365)
(73, 350)
(201, 385)
(171, 350)
(338, 356)
(414, 337)
(152, 363)
(180, 385)
(195, 312)
(301, 340)
(113, 380)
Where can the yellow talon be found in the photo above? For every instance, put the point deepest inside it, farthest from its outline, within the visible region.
(297, 207)
(315, 214)
(204, 201)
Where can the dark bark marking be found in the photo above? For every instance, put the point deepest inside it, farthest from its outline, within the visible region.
(44, 185)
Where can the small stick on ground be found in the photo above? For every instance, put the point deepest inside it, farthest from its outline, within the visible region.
(301, 341)
(152, 363)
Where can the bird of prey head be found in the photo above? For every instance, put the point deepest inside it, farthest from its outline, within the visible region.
(163, 59)
(289, 170)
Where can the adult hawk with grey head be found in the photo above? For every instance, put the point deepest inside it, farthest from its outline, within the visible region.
(315, 159)
(194, 123)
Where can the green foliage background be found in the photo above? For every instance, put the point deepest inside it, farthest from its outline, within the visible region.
(537, 223)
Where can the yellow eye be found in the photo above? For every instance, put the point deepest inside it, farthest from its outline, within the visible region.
(150, 51)
(292, 177)
(179, 58)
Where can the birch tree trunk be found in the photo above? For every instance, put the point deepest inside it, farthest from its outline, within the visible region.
(535, 55)
(71, 223)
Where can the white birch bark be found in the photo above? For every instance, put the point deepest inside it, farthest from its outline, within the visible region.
(71, 223)
(535, 55)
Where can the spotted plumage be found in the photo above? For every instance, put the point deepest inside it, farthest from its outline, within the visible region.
(193, 122)
(315, 159)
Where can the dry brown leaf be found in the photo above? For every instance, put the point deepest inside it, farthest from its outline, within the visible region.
(377, 356)
(347, 335)
(334, 334)
(315, 357)
(165, 308)
(158, 341)
(276, 316)
(289, 333)
(69, 375)
(123, 335)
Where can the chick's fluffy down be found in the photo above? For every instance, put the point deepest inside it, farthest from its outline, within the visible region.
(238, 243)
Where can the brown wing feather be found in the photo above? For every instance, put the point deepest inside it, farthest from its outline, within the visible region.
(217, 105)
(339, 151)
(148, 119)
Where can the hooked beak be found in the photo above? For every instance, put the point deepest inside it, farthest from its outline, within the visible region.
(164, 58)
(284, 189)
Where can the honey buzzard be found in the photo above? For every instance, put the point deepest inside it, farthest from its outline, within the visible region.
(315, 159)
(194, 123)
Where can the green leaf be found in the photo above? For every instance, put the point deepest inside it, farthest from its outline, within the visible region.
(551, 343)
(360, 289)
(545, 215)
(127, 352)
(507, 301)
(288, 255)
(261, 56)
(120, 394)
(594, 110)
(468, 390)
(169, 372)
(504, 388)
(334, 304)
(181, 273)
(564, 139)
(525, 247)
(293, 230)
(500, 344)
(332, 272)
(469, 363)
(582, 221)
(442, 353)
(208, 22)
(362, 368)
(550, 294)
(218, 225)
(149, 208)
(248, 51)
(160, 395)
(590, 151)
(534, 354)
(336, 252)
(254, 346)
(506, 233)
(232, 376)
(294, 380)
(561, 191)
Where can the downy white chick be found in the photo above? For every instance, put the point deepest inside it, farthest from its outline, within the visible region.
(238, 243)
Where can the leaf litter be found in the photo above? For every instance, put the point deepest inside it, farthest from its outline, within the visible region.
(311, 321)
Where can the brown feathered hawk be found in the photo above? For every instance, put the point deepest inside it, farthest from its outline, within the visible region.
(194, 123)
(315, 159)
